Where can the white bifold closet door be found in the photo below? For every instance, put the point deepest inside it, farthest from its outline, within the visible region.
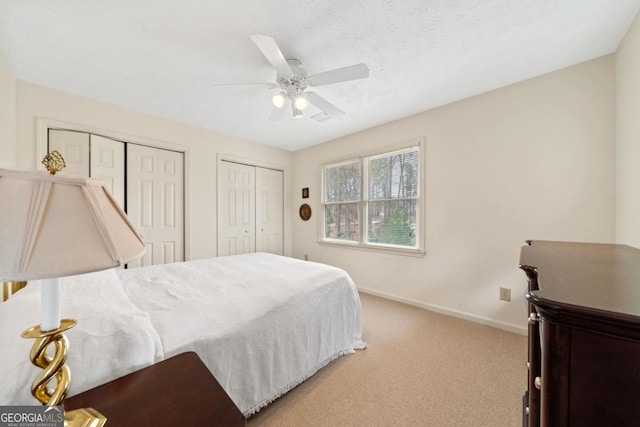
(92, 156)
(236, 209)
(269, 211)
(250, 209)
(155, 202)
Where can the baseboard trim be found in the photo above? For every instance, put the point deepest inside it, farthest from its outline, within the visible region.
(454, 313)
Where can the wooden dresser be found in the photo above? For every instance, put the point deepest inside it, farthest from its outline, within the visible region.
(584, 334)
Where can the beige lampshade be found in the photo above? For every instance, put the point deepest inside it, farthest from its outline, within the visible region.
(54, 226)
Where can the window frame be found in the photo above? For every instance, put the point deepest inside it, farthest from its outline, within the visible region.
(363, 204)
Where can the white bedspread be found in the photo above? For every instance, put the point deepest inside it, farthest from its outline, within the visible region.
(262, 323)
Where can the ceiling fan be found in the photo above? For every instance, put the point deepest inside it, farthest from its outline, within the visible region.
(293, 81)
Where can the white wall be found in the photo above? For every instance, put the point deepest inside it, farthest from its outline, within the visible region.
(7, 114)
(628, 137)
(534, 160)
(36, 101)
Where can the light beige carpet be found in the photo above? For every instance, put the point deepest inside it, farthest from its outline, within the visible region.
(420, 368)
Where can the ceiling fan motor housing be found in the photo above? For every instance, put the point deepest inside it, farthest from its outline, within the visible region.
(293, 83)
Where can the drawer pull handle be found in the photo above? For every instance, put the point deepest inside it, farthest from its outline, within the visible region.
(538, 383)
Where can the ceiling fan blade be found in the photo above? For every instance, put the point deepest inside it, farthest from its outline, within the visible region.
(272, 52)
(323, 105)
(352, 72)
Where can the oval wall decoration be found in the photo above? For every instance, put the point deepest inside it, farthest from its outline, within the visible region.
(305, 212)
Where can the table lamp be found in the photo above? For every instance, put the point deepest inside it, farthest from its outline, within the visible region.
(53, 226)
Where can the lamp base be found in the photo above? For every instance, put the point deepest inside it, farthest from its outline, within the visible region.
(55, 368)
(85, 417)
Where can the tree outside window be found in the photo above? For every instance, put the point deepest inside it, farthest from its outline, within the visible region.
(342, 196)
(389, 201)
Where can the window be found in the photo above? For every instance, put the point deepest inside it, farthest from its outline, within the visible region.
(385, 190)
(342, 201)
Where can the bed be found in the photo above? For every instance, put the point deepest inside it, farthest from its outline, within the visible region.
(262, 324)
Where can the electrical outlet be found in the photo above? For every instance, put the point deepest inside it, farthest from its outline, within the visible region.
(505, 294)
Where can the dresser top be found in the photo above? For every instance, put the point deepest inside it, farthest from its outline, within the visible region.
(592, 276)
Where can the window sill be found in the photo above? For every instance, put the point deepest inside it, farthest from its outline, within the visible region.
(416, 253)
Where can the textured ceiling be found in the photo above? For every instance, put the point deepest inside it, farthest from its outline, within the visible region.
(166, 57)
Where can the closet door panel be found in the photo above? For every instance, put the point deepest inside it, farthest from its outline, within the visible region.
(269, 211)
(141, 183)
(155, 202)
(143, 207)
(107, 165)
(74, 147)
(170, 232)
(236, 209)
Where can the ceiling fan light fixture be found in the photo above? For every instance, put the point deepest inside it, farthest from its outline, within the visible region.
(278, 99)
(301, 102)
